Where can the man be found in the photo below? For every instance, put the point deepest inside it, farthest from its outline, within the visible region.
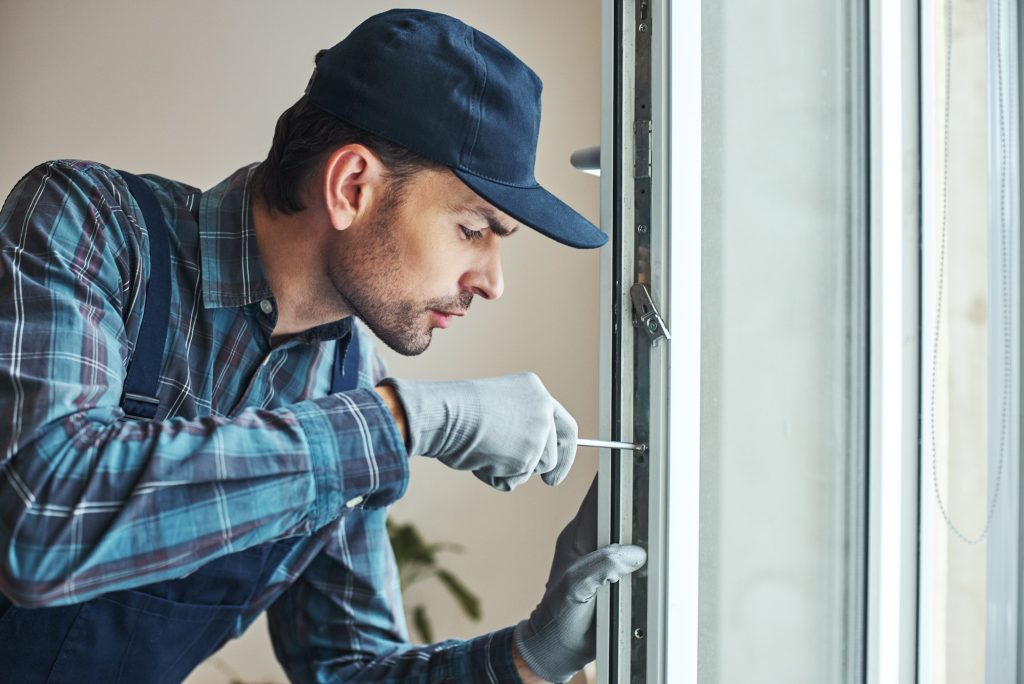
(141, 528)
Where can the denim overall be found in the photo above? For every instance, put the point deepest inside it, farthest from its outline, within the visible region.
(158, 632)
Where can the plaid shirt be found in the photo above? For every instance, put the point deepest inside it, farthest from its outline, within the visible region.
(248, 446)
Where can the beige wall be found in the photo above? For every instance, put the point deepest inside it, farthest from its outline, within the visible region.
(961, 406)
(191, 90)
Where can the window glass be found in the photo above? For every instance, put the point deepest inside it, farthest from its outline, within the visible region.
(783, 357)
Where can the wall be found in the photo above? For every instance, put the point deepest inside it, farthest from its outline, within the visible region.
(961, 382)
(191, 90)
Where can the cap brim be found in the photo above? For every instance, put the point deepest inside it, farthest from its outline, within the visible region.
(539, 209)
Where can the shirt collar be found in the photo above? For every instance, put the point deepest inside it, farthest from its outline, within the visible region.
(232, 271)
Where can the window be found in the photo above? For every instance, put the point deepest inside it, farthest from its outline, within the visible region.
(788, 235)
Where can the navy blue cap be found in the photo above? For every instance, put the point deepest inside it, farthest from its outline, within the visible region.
(455, 96)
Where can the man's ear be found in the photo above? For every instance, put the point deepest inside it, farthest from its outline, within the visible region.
(353, 179)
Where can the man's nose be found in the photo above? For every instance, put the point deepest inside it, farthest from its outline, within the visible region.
(486, 279)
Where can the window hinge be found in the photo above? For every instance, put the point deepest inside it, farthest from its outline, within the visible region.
(647, 315)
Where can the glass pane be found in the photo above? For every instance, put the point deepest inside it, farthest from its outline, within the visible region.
(783, 358)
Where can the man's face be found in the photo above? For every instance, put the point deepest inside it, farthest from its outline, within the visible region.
(412, 267)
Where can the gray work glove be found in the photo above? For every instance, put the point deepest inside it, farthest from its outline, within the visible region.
(559, 638)
(503, 429)
(577, 539)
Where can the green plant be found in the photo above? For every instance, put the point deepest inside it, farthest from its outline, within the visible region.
(417, 561)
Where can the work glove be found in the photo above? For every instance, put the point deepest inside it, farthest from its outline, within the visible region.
(559, 638)
(502, 429)
(577, 539)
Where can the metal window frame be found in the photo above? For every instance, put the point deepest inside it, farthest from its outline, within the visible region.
(639, 617)
(615, 340)
(1004, 638)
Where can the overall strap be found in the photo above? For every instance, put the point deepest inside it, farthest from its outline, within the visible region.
(345, 372)
(140, 386)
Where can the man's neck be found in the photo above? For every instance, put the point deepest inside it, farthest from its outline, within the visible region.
(294, 259)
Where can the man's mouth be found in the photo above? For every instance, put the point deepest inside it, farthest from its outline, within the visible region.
(442, 319)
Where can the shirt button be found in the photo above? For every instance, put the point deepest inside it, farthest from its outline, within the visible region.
(352, 503)
(266, 307)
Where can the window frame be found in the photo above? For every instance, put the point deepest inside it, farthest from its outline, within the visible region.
(1004, 638)
(887, 651)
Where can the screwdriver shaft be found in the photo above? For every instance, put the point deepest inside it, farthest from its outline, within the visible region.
(606, 444)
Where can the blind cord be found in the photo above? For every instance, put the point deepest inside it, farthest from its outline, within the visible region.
(1005, 275)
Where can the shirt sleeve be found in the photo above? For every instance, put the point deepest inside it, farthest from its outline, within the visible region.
(92, 503)
(342, 621)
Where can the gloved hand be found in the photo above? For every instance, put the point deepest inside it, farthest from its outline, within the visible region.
(559, 638)
(577, 539)
(503, 429)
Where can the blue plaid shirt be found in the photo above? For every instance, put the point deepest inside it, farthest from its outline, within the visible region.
(248, 446)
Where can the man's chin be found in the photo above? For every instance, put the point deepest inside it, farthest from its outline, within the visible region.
(405, 346)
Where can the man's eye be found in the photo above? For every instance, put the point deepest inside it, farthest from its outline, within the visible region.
(470, 233)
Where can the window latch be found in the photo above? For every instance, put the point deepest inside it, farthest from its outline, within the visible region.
(647, 316)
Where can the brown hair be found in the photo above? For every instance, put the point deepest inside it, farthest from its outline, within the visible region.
(304, 137)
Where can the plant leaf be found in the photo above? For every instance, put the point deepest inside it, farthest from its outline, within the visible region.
(416, 560)
(446, 546)
(469, 601)
(422, 624)
(409, 546)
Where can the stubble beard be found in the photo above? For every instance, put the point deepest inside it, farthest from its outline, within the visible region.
(367, 279)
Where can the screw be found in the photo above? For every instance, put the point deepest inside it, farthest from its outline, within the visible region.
(652, 325)
(638, 633)
(641, 228)
(642, 28)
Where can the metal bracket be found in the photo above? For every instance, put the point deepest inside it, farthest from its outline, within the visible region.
(647, 316)
(642, 132)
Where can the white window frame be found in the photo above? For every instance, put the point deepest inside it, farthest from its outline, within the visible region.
(893, 451)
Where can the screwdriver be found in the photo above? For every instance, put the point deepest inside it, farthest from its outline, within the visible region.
(606, 444)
